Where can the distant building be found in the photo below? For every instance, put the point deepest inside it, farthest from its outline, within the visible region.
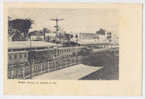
(50, 37)
(39, 35)
(36, 36)
(109, 36)
(87, 36)
(102, 38)
(93, 38)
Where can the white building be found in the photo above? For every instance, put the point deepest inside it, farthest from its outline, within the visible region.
(50, 36)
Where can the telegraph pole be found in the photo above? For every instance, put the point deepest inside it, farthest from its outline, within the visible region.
(57, 26)
(30, 60)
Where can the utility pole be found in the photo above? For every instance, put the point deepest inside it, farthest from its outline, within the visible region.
(57, 26)
(30, 56)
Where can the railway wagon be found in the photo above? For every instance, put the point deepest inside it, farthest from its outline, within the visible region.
(66, 56)
(24, 63)
(18, 65)
(19, 58)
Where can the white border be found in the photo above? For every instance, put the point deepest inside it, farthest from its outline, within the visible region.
(119, 1)
(66, 97)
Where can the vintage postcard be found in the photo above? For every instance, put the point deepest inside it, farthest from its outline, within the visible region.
(89, 49)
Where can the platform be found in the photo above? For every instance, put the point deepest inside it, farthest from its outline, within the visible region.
(71, 73)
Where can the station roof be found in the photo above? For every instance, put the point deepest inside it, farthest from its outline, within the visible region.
(28, 44)
(92, 42)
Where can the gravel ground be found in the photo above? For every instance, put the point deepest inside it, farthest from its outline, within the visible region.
(70, 73)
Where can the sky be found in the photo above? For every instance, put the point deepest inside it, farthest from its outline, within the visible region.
(84, 20)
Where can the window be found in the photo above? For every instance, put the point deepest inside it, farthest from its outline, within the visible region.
(25, 55)
(10, 56)
(61, 51)
(58, 51)
(21, 55)
(15, 56)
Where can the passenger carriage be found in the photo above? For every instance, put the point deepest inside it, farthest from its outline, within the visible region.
(28, 60)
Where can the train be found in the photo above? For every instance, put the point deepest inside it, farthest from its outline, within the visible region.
(27, 62)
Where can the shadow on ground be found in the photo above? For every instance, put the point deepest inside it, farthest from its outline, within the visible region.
(110, 62)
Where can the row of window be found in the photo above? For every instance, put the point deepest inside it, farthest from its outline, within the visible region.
(39, 67)
(65, 55)
(22, 72)
(16, 73)
(17, 55)
(61, 51)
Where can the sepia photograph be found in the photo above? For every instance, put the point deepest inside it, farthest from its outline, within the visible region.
(63, 44)
(72, 49)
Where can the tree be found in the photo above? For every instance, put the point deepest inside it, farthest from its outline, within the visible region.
(100, 31)
(109, 36)
(77, 38)
(44, 31)
(14, 35)
(68, 36)
(22, 25)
